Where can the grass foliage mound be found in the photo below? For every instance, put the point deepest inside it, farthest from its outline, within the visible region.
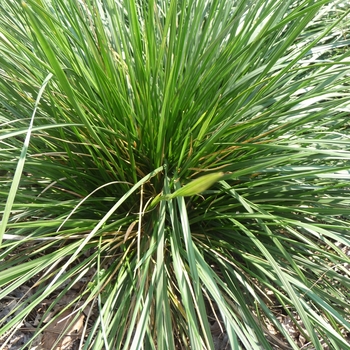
(184, 161)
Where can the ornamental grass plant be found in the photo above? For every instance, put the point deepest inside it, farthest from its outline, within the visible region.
(185, 162)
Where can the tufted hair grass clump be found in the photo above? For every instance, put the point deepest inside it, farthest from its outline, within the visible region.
(184, 162)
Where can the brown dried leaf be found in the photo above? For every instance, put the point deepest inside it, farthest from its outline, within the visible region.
(61, 329)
